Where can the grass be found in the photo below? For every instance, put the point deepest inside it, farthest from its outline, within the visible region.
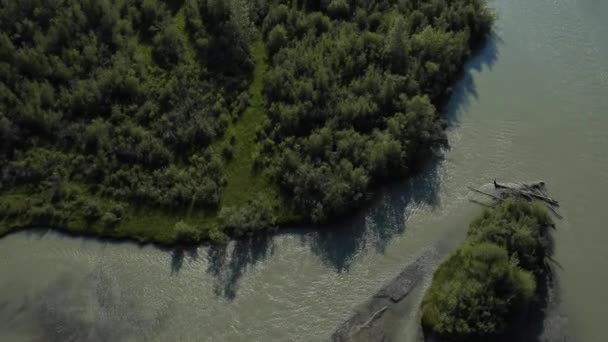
(243, 184)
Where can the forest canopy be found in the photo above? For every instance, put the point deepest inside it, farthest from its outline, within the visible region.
(111, 110)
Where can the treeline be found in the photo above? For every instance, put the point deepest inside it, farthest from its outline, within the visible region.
(121, 97)
(354, 90)
(484, 287)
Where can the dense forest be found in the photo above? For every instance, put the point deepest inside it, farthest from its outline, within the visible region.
(125, 117)
(489, 283)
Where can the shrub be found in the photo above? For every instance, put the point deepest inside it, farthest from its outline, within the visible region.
(46, 214)
(277, 39)
(109, 220)
(253, 216)
(91, 211)
(186, 233)
(338, 8)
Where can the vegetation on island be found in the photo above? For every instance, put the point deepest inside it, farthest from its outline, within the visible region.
(182, 120)
(489, 282)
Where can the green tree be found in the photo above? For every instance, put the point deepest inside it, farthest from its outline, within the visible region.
(168, 45)
(277, 39)
(396, 46)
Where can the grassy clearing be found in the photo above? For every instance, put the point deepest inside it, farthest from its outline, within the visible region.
(243, 184)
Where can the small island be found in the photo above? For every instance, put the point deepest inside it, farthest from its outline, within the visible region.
(490, 282)
(183, 120)
(493, 288)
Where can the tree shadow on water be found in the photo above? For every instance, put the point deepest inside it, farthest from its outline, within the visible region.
(336, 244)
(484, 57)
(178, 254)
(375, 226)
(387, 216)
(228, 263)
(371, 228)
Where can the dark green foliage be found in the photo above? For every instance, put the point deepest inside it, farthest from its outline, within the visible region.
(106, 103)
(109, 220)
(253, 216)
(168, 45)
(479, 291)
(186, 233)
(277, 39)
(227, 152)
(353, 92)
(105, 94)
(519, 228)
(91, 211)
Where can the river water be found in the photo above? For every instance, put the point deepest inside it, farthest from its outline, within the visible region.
(532, 105)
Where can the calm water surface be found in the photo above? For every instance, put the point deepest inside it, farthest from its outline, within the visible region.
(533, 105)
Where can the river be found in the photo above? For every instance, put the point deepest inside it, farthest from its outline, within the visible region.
(532, 105)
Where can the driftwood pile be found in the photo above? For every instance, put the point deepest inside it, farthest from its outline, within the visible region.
(535, 191)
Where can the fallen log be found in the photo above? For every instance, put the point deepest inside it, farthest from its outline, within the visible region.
(527, 191)
(533, 190)
(537, 185)
(480, 203)
(541, 197)
(485, 193)
(555, 212)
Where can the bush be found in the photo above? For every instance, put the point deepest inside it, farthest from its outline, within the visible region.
(109, 220)
(168, 45)
(338, 8)
(277, 39)
(91, 211)
(249, 218)
(186, 233)
(46, 214)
